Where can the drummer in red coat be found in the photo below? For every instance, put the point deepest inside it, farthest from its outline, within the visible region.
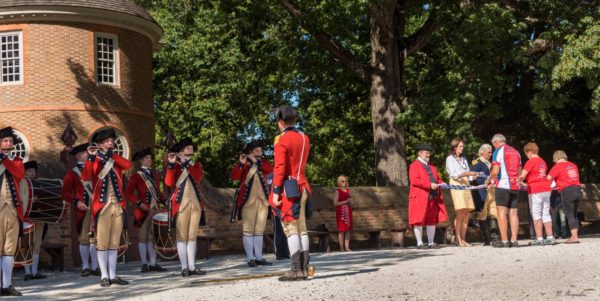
(104, 169)
(143, 190)
(11, 213)
(79, 193)
(291, 153)
(425, 204)
(252, 204)
(184, 175)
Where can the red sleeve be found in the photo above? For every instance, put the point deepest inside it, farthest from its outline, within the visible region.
(123, 163)
(171, 174)
(267, 168)
(416, 180)
(15, 167)
(131, 192)
(196, 172)
(88, 168)
(280, 162)
(68, 190)
(554, 171)
(528, 166)
(236, 172)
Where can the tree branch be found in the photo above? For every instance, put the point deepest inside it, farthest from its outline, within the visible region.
(419, 39)
(328, 42)
(538, 46)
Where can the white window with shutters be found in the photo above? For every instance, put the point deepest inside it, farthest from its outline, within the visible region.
(106, 58)
(11, 58)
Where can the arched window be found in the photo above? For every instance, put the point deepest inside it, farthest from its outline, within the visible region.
(21, 146)
(121, 144)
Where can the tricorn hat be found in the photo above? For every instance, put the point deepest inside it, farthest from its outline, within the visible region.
(423, 146)
(103, 135)
(252, 145)
(79, 148)
(8, 132)
(142, 153)
(31, 164)
(179, 146)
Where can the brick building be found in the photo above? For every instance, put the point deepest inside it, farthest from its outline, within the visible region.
(87, 63)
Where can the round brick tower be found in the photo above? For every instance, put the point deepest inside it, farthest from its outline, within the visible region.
(87, 63)
(83, 63)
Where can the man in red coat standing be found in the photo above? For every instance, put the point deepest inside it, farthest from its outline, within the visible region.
(291, 153)
(11, 213)
(104, 169)
(252, 203)
(79, 193)
(425, 204)
(143, 190)
(187, 205)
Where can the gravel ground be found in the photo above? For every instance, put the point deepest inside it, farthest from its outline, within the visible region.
(561, 272)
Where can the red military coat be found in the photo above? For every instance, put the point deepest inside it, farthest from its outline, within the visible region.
(73, 191)
(418, 197)
(288, 150)
(17, 170)
(137, 193)
(91, 170)
(174, 170)
(240, 172)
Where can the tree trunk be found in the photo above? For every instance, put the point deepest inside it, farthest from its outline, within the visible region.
(386, 97)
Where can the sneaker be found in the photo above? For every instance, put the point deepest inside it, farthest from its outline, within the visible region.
(550, 241)
(263, 262)
(118, 281)
(536, 242)
(11, 291)
(514, 244)
(156, 268)
(252, 263)
(104, 282)
(500, 244)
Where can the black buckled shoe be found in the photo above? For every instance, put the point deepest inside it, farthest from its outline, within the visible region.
(39, 276)
(118, 281)
(27, 277)
(252, 263)
(185, 273)
(104, 282)
(96, 272)
(264, 262)
(156, 268)
(11, 291)
(197, 272)
(145, 268)
(85, 273)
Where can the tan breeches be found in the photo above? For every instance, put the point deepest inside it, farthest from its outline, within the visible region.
(297, 227)
(84, 236)
(489, 207)
(37, 237)
(255, 211)
(9, 231)
(110, 225)
(146, 232)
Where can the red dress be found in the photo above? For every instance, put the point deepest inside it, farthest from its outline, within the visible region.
(343, 213)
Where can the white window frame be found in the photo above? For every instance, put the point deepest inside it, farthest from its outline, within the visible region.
(26, 146)
(120, 137)
(21, 71)
(116, 67)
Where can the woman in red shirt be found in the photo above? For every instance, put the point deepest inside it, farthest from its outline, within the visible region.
(566, 176)
(539, 189)
(343, 212)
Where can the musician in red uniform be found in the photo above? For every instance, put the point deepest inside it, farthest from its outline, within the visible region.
(291, 153)
(11, 213)
(252, 203)
(144, 192)
(31, 270)
(104, 169)
(79, 193)
(184, 175)
(425, 204)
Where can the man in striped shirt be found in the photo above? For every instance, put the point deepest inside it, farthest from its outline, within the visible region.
(506, 166)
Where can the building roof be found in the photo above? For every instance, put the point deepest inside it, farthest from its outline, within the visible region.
(121, 6)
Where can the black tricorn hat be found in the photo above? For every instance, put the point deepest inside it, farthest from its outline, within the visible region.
(142, 153)
(31, 164)
(79, 148)
(286, 113)
(182, 144)
(252, 145)
(423, 146)
(104, 134)
(8, 132)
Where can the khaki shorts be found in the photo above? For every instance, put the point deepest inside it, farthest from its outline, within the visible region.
(297, 227)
